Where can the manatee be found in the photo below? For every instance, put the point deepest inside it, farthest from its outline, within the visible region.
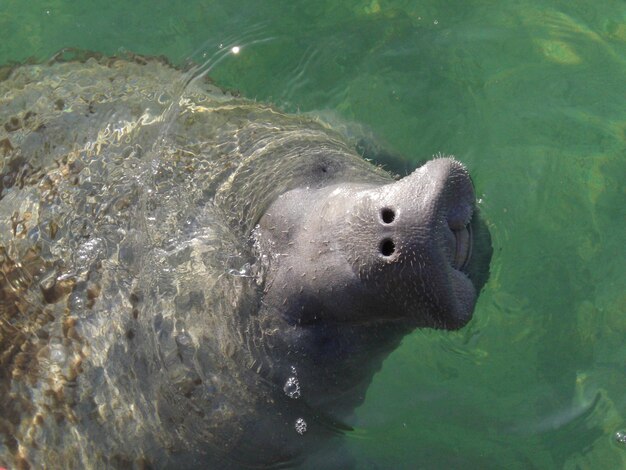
(190, 279)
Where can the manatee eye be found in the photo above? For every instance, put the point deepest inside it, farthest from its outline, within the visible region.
(387, 247)
(387, 215)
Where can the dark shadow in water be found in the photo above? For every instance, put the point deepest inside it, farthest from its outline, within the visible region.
(394, 163)
(482, 250)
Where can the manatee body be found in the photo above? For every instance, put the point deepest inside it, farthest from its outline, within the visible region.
(191, 279)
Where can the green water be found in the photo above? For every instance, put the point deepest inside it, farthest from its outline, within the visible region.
(531, 95)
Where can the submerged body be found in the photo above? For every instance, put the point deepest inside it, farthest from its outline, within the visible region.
(182, 280)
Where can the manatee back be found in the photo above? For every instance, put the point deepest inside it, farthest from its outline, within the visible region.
(107, 256)
(128, 190)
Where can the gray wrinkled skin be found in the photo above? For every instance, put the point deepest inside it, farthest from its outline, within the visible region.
(188, 278)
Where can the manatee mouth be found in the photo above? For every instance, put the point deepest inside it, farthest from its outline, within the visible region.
(463, 247)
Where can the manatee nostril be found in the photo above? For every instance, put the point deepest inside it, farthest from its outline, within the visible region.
(388, 215)
(387, 247)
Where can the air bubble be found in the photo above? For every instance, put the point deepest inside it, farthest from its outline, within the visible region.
(300, 426)
(243, 271)
(292, 388)
(57, 353)
(183, 339)
(620, 437)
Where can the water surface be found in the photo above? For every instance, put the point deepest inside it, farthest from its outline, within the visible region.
(531, 96)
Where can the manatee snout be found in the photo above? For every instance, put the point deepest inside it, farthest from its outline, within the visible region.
(432, 206)
(414, 237)
(358, 253)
